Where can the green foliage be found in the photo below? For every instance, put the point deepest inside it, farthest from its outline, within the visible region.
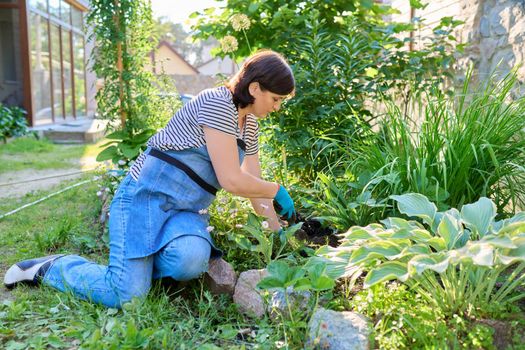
(13, 122)
(266, 240)
(342, 54)
(131, 95)
(123, 145)
(274, 24)
(404, 320)
(454, 260)
(460, 149)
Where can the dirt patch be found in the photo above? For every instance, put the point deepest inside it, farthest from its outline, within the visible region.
(19, 183)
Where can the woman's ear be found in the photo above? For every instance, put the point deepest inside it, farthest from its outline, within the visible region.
(253, 88)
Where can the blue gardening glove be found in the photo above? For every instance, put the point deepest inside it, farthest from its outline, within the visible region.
(283, 204)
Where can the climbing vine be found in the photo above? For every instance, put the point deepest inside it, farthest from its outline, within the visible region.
(132, 98)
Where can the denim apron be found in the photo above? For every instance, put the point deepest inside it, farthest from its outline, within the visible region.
(167, 199)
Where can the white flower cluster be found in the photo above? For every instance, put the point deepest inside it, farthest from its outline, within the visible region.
(229, 44)
(240, 22)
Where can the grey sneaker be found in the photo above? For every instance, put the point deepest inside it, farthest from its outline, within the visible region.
(29, 271)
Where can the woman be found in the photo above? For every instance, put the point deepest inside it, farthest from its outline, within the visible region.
(156, 225)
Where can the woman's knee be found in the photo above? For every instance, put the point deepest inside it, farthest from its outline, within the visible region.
(184, 258)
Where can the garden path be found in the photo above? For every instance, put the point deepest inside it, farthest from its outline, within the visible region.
(19, 183)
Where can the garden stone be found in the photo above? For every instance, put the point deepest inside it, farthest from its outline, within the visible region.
(247, 296)
(277, 305)
(339, 330)
(220, 277)
(484, 28)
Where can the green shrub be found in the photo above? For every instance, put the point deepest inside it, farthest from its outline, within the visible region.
(13, 122)
(454, 260)
(460, 149)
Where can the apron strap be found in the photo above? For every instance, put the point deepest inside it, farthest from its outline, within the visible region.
(177, 163)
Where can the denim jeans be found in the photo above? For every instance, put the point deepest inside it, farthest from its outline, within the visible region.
(183, 258)
(155, 231)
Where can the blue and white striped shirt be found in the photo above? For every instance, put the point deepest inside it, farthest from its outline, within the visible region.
(213, 108)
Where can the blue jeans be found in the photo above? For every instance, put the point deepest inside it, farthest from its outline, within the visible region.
(182, 258)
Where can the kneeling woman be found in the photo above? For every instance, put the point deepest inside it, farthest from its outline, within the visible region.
(156, 226)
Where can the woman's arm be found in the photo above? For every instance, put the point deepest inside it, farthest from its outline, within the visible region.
(224, 156)
(262, 206)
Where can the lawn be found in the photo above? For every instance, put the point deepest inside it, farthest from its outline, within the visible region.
(30, 153)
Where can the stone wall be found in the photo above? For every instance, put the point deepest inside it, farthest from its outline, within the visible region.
(494, 31)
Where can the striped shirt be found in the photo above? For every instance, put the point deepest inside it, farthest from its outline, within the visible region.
(213, 108)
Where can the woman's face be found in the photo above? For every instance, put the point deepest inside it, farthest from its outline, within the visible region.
(265, 101)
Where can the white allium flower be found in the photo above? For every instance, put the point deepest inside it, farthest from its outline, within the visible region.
(265, 224)
(210, 228)
(239, 225)
(96, 178)
(122, 162)
(229, 44)
(203, 211)
(220, 210)
(99, 193)
(223, 200)
(240, 22)
(107, 189)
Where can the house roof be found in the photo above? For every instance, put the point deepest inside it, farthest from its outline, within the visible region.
(172, 49)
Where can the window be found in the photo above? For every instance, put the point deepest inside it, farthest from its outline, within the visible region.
(65, 68)
(40, 70)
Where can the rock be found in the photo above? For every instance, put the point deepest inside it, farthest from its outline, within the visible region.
(500, 20)
(339, 330)
(220, 277)
(298, 301)
(487, 47)
(484, 28)
(246, 294)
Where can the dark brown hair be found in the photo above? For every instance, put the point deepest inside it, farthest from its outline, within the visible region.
(266, 67)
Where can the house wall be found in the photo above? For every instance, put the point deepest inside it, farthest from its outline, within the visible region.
(166, 60)
(219, 65)
(494, 31)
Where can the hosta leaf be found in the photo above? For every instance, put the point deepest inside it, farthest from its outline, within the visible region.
(438, 243)
(498, 225)
(450, 229)
(510, 256)
(421, 236)
(513, 229)
(357, 232)
(379, 250)
(482, 254)
(415, 204)
(436, 262)
(499, 241)
(386, 272)
(400, 223)
(479, 216)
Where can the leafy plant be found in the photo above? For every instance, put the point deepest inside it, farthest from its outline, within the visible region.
(131, 97)
(124, 146)
(13, 122)
(454, 260)
(342, 54)
(460, 149)
(265, 240)
(285, 277)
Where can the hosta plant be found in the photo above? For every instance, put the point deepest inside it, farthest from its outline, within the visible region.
(461, 261)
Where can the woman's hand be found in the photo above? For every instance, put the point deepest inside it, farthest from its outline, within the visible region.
(285, 206)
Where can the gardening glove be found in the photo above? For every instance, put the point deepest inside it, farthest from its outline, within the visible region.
(283, 205)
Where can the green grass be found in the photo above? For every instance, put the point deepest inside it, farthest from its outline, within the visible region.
(29, 153)
(181, 317)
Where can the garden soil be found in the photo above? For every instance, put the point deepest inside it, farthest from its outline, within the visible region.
(19, 183)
